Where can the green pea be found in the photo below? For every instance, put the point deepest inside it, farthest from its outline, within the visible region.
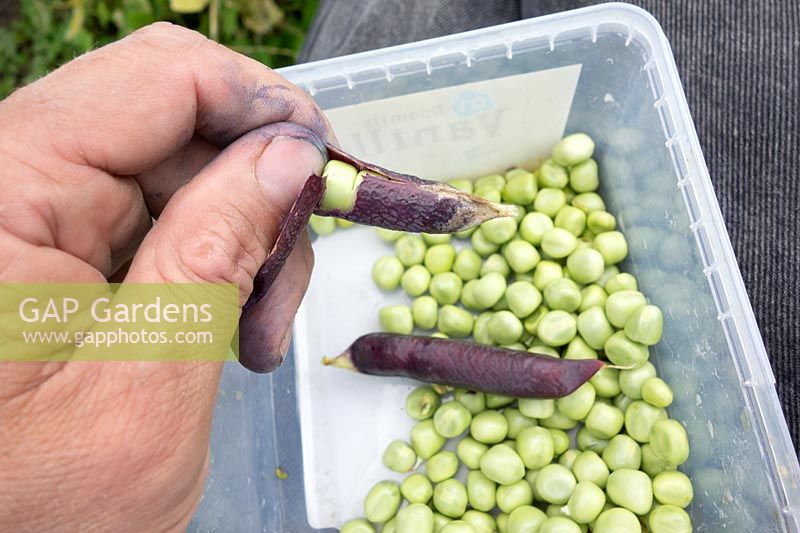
(458, 526)
(416, 518)
(560, 440)
(604, 421)
(621, 305)
(416, 280)
(481, 491)
(470, 452)
(489, 427)
(499, 230)
(382, 501)
(489, 289)
(562, 294)
(645, 325)
(652, 465)
(622, 452)
(454, 321)
(386, 273)
(589, 202)
(416, 488)
(640, 418)
(573, 149)
(517, 422)
(396, 319)
(479, 332)
(446, 288)
(520, 187)
(673, 488)
(617, 520)
(480, 522)
(474, 401)
(545, 273)
(521, 256)
(502, 523)
(536, 408)
(558, 421)
(541, 349)
(559, 524)
(600, 222)
(612, 245)
(425, 440)
(462, 185)
(585, 265)
(389, 235)
(558, 243)
(630, 489)
(609, 272)
(621, 282)
(592, 296)
(424, 311)
(410, 250)
(523, 298)
(450, 498)
(322, 225)
(536, 447)
(577, 404)
(440, 258)
(555, 483)
(567, 458)
(526, 519)
(440, 521)
(588, 466)
(586, 502)
(432, 239)
(669, 441)
(482, 245)
(502, 465)
(534, 226)
(493, 181)
(587, 441)
(441, 466)
(493, 195)
(571, 219)
(451, 419)
(606, 382)
(669, 519)
(622, 402)
(495, 263)
(622, 351)
(549, 201)
(421, 403)
(594, 327)
(399, 456)
(501, 305)
(358, 525)
(509, 497)
(552, 175)
(496, 401)
(467, 264)
(631, 381)
(583, 176)
(656, 392)
(468, 296)
(557, 328)
(504, 328)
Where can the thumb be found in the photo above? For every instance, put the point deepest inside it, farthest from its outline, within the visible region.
(220, 226)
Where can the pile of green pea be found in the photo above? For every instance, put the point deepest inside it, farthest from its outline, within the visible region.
(545, 282)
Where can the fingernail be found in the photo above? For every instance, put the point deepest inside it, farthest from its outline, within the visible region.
(284, 166)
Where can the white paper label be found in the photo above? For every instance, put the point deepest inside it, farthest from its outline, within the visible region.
(465, 130)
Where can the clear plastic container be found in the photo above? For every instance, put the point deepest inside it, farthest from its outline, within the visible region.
(629, 98)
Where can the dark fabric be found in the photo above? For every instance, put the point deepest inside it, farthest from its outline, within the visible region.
(739, 64)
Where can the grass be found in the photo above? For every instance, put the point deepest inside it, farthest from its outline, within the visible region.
(36, 36)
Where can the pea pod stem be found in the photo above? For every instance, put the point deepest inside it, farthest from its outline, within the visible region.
(466, 365)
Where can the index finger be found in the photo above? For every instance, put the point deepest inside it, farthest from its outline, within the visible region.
(128, 106)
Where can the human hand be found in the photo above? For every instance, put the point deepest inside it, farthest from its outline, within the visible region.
(166, 124)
